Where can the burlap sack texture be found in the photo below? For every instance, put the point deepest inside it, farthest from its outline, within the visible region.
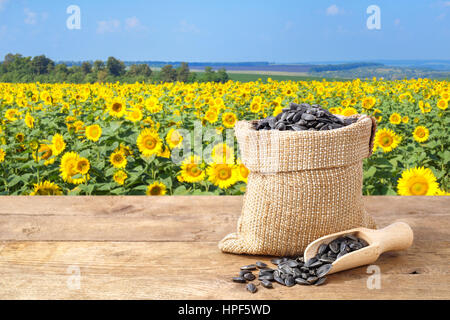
(302, 185)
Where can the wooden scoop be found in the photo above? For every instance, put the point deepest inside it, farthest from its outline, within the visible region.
(397, 236)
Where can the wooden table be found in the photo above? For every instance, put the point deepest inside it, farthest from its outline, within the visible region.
(166, 248)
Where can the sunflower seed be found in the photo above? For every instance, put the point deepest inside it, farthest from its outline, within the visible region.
(334, 246)
(308, 117)
(239, 280)
(242, 272)
(310, 262)
(312, 280)
(302, 281)
(252, 288)
(292, 263)
(249, 276)
(316, 264)
(260, 264)
(266, 284)
(249, 267)
(323, 247)
(268, 277)
(323, 270)
(279, 280)
(289, 281)
(320, 281)
(276, 261)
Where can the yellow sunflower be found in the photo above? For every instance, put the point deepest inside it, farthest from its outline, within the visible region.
(117, 108)
(120, 177)
(20, 137)
(29, 121)
(149, 142)
(174, 138)
(165, 154)
(58, 144)
(46, 188)
(211, 116)
(12, 114)
(417, 182)
(442, 104)
(229, 119)
(156, 189)
(368, 102)
(93, 132)
(395, 118)
(222, 153)
(2, 155)
(405, 119)
(69, 168)
(45, 152)
(118, 160)
(152, 104)
(421, 134)
(349, 111)
(83, 166)
(386, 139)
(424, 107)
(255, 107)
(441, 192)
(125, 150)
(191, 170)
(135, 115)
(222, 175)
(243, 171)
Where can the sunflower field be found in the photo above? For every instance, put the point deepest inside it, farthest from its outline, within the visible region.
(120, 139)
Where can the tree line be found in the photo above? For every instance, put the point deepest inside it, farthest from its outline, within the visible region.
(17, 68)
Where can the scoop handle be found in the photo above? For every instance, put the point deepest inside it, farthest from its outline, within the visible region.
(396, 236)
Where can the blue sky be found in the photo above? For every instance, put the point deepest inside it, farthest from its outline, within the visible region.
(245, 30)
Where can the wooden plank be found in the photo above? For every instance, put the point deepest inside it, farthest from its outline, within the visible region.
(198, 270)
(183, 218)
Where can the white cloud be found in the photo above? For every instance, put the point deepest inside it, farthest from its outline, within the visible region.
(132, 22)
(3, 4)
(187, 27)
(106, 26)
(333, 10)
(30, 16)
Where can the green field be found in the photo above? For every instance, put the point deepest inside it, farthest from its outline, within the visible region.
(247, 77)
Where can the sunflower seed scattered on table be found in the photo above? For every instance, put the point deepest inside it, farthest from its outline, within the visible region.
(300, 117)
(249, 276)
(260, 264)
(249, 267)
(267, 284)
(290, 271)
(239, 280)
(251, 287)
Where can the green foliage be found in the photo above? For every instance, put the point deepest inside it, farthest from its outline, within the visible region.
(18, 69)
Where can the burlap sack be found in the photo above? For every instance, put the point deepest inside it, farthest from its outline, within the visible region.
(302, 185)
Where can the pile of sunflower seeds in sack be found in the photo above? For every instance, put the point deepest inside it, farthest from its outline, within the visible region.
(291, 271)
(300, 117)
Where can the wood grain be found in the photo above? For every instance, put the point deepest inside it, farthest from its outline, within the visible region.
(180, 218)
(166, 248)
